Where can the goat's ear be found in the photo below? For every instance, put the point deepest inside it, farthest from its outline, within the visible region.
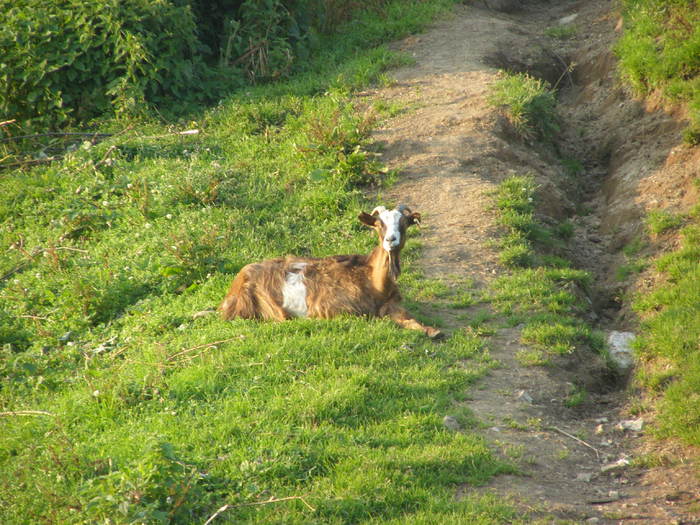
(414, 218)
(367, 219)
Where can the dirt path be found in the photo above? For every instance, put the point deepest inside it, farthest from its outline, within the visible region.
(453, 150)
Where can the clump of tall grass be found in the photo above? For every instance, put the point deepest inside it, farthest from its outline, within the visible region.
(528, 103)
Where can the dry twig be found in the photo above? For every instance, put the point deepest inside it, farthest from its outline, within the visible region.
(27, 413)
(56, 134)
(182, 352)
(597, 453)
(266, 502)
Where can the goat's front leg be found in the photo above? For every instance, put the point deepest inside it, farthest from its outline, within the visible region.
(400, 316)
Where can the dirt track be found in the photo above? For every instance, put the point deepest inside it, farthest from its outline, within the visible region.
(453, 149)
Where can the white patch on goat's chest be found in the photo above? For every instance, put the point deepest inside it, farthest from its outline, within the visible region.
(294, 292)
(392, 221)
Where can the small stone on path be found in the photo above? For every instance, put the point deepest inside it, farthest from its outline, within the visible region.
(451, 423)
(524, 396)
(617, 465)
(634, 425)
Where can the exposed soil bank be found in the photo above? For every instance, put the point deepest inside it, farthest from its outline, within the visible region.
(453, 149)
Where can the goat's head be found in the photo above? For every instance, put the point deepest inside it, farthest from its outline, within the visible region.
(391, 227)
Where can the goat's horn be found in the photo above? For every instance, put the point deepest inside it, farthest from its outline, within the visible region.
(378, 210)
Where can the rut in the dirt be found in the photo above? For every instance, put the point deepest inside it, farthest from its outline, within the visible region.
(453, 149)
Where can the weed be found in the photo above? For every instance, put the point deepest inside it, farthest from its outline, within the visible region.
(576, 398)
(630, 268)
(634, 247)
(532, 357)
(660, 221)
(561, 32)
(563, 454)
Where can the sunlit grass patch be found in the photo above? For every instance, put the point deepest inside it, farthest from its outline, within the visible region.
(528, 103)
(561, 32)
(541, 290)
(668, 345)
(660, 221)
(658, 53)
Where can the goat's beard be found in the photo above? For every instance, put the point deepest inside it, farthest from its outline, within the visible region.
(394, 265)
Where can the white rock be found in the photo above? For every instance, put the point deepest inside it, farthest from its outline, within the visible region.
(635, 425)
(601, 420)
(524, 396)
(451, 423)
(584, 476)
(202, 313)
(620, 349)
(495, 429)
(593, 520)
(619, 464)
(568, 19)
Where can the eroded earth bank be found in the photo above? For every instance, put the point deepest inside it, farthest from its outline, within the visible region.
(453, 149)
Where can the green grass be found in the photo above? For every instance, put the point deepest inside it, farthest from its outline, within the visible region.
(541, 290)
(150, 416)
(560, 32)
(659, 52)
(668, 345)
(528, 103)
(660, 221)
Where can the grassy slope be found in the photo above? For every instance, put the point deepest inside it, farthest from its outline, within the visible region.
(660, 50)
(669, 345)
(156, 417)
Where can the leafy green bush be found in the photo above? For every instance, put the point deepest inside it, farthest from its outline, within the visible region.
(73, 62)
(69, 63)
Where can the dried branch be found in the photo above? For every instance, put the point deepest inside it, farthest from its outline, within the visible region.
(182, 352)
(597, 453)
(56, 134)
(266, 502)
(29, 162)
(27, 413)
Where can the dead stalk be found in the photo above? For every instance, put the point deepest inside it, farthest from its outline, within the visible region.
(27, 413)
(188, 350)
(266, 502)
(597, 453)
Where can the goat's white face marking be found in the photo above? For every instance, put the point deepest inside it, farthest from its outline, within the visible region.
(294, 292)
(392, 236)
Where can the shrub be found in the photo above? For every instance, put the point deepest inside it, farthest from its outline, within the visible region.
(65, 63)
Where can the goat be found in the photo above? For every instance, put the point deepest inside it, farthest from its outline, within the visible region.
(364, 285)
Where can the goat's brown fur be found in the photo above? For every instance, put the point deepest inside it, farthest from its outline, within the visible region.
(342, 284)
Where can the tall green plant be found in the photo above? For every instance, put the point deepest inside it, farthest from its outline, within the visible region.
(71, 61)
